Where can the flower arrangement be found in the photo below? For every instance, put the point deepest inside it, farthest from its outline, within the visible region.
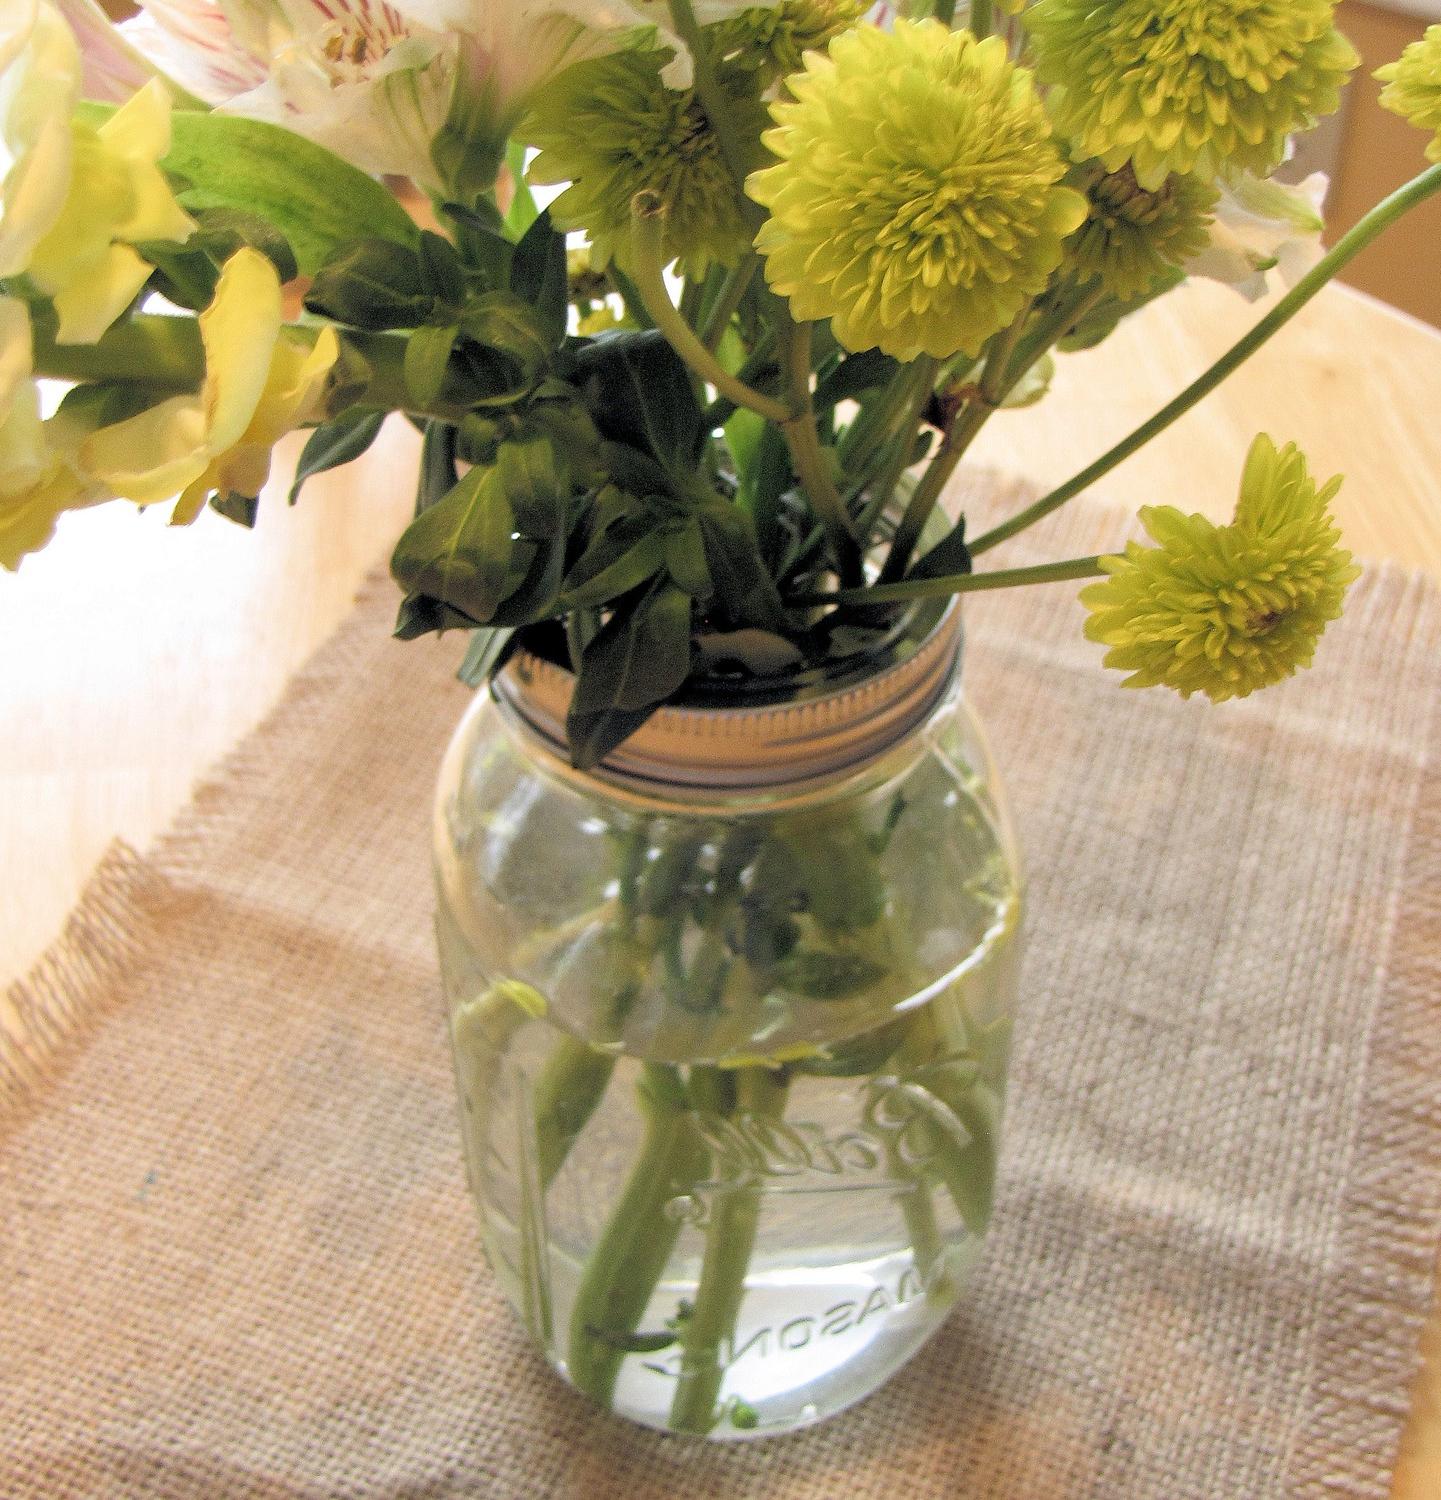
(811, 252)
(692, 419)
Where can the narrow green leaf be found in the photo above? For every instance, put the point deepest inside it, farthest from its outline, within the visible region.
(459, 550)
(639, 392)
(538, 277)
(950, 555)
(438, 473)
(427, 361)
(639, 658)
(685, 559)
(487, 651)
(594, 581)
(334, 443)
(371, 283)
(745, 593)
(441, 270)
(522, 212)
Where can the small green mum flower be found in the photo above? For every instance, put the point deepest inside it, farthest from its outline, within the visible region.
(1188, 85)
(1413, 87)
(773, 39)
(1224, 610)
(917, 200)
(610, 127)
(1133, 237)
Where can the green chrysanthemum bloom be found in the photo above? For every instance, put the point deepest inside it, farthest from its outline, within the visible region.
(1413, 87)
(917, 200)
(1188, 85)
(611, 128)
(1132, 238)
(772, 40)
(1224, 610)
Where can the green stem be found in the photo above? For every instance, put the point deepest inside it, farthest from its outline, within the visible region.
(997, 378)
(955, 583)
(915, 388)
(717, 108)
(647, 275)
(165, 353)
(798, 427)
(567, 1093)
(1342, 253)
(927, 493)
(982, 21)
(737, 284)
(621, 1274)
(730, 1237)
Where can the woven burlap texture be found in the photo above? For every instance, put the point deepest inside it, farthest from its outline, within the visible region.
(237, 1256)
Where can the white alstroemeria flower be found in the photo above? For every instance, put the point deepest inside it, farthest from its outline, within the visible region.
(36, 482)
(355, 76)
(1265, 232)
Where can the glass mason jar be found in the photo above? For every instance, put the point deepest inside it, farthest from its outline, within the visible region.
(730, 1020)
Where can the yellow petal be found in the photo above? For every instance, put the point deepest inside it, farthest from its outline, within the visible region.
(90, 300)
(239, 330)
(152, 456)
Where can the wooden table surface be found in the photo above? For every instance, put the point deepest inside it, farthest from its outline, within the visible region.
(136, 654)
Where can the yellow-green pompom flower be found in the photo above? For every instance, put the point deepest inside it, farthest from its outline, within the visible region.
(1413, 87)
(1224, 610)
(611, 128)
(1188, 85)
(260, 382)
(1133, 237)
(773, 40)
(917, 201)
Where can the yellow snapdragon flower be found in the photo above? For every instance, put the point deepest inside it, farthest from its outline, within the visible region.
(261, 381)
(76, 199)
(36, 481)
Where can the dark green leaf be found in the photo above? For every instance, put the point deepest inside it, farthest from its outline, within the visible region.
(334, 443)
(613, 565)
(184, 276)
(854, 376)
(459, 550)
(442, 273)
(421, 615)
(593, 736)
(242, 509)
(427, 361)
(685, 559)
(487, 651)
(538, 277)
(222, 231)
(949, 555)
(481, 241)
(505, 326)
(639, 392)
(438, 473)
(640, 657)
(745, 593)
(374, 284)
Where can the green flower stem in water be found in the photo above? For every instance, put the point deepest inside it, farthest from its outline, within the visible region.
(1342, 253)
(630, 1256)
(567, 1094)
(759, 1093)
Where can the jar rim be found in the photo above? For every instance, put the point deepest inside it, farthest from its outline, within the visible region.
(791, 731)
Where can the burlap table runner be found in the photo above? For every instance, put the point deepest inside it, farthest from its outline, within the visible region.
(237, 1258)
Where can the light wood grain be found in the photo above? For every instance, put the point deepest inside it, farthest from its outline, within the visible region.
(136, 654)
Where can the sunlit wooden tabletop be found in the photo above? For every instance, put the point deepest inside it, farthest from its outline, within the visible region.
(136, 654)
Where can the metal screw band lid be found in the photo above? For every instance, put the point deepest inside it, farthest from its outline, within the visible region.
(757, 739)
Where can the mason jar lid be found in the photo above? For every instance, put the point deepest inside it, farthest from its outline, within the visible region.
(763, 732)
